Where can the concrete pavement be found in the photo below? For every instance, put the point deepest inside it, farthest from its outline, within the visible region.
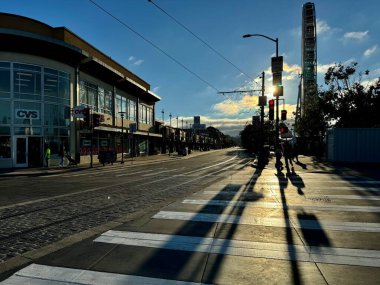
(249, 227)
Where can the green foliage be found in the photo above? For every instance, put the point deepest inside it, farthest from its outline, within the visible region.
(251, 136)
(346, 103)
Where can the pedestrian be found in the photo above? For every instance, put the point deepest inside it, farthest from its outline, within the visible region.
(62, 152)
(287, 156)
(278, 154)
(47, 156)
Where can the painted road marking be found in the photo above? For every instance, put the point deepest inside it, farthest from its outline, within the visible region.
(164, 171)
(36, 274)
(332, 255)
(262, 195)
(131, 173)
(274, 205)
(270, 222)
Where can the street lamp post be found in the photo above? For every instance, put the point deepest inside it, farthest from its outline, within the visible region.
(276, 41)
(122, 136)
(170, 116)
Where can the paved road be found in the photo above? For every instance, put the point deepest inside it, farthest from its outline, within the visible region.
(212, 219)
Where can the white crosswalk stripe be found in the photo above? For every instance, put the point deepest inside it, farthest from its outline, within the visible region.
(273, 205)
(270, 222)
(245, 248)
(36, 274)
(306, 196)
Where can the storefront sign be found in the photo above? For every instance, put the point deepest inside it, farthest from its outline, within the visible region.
(86, 142)
(27, 114)
(79, 112)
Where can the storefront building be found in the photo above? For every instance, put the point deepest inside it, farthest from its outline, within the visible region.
(45, 73)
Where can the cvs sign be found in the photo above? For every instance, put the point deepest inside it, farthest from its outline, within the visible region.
(79, 112)
(27, 114)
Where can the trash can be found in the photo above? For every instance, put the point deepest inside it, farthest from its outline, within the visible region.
(107, 156)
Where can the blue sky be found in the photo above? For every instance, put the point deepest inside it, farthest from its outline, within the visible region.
(347, 30)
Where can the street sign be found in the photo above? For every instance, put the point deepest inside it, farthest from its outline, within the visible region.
(262, 100)
(79, 112)
(277, 63)
(256, 121)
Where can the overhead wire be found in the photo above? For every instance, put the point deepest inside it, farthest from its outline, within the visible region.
(200, 39)
(154, 45)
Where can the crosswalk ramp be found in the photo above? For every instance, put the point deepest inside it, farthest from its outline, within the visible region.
(284, 226)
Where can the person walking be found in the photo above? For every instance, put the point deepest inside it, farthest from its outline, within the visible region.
(288, 156)
(47, 156)
(278, 154)
(62, 152)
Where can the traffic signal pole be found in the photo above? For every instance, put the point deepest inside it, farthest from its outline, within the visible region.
(262, 111)
(277, 102)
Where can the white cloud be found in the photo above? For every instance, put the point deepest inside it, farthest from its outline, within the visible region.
(322, 27)
(138, 62)
(355, 35)
(229, 107)
(155, 89)
(370, 51)
(322, 68)
(131, 58)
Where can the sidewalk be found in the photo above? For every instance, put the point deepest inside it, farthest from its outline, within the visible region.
(140, 160)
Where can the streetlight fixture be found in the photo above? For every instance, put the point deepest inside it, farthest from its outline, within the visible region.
(122, 136)
(276, 41)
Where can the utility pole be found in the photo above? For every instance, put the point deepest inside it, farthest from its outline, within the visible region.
(163, 115)
(262, 110)
(170, 116)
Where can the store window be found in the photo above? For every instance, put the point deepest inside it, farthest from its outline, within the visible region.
(89, 95)
(105, 101)
(145, 114)
(5, 147)
(56, 86)
(26, 81)
(5, 80)
(132, 110)
(5, 112)
(121, 105)
(57, 115)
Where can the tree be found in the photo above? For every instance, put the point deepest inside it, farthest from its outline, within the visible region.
(348, 103)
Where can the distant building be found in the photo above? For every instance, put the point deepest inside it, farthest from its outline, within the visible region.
(197, 124)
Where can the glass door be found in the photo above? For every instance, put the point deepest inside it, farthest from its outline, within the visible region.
(21, 152)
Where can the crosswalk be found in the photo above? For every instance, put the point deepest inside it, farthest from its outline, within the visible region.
(242, 202)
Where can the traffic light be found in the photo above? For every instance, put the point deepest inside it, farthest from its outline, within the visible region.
(87, 118)
(284, 129)
(271, 110)
(283, 115)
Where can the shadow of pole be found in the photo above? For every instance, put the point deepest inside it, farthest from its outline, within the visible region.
(283, 182)
(230, 229)
(184, 260)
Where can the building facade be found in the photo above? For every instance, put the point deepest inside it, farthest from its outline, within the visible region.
(45, 72)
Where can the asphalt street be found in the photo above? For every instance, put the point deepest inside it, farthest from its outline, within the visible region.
(207, 219)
